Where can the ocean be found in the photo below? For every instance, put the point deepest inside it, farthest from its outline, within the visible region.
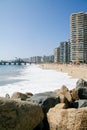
(31, 78)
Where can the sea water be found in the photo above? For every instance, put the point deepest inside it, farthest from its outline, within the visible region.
(31, 78)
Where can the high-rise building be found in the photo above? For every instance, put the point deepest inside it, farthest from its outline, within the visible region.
(56, 54)
(64, 52)
(47, 59)
(78, 37)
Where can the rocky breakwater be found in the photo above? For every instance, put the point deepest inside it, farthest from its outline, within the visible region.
(74, 116)
(60, 118)
(62, 109)
(46, 101)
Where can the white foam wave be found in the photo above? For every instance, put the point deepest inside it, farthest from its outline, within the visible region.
(37, 80)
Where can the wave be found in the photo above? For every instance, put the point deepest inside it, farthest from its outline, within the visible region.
(34, 79)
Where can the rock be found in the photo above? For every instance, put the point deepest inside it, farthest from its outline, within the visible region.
(75, 104)
(82, 93)
(81, 103)
(84, 104)
(81, 87)
(18, 95)
(60, 106)
(67, 119)
(45, 100)
(28, 94)
(63, 99)
(64, 91)
(81, 83)
(7, 96)
(74, 94)
(19, 115)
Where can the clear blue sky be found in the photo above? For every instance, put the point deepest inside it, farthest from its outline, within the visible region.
(35, 27)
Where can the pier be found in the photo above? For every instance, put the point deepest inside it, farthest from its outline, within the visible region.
(19, 62)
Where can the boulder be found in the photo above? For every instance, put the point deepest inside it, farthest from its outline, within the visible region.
(18, 95)
(74, 94)
(82, 93)
(29, 94)
(64, 91)
(84, 104)
(75, 104)
(19, 115)
(81, 83)
(45, 100)
(81, 103)
(67, 119)
(81, 87)
(7, 96)
(63, 99)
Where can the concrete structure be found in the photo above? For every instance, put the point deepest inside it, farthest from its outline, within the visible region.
(51, 58)
(20, 62)
(64, 52)
(38, 59)
(33, 59)
(78, 37)
(47, 58)
(57, 55)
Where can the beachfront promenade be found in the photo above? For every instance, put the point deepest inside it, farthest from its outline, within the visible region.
(16, 62)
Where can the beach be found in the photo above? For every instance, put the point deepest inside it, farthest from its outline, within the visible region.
(33, 78)
(75, 71)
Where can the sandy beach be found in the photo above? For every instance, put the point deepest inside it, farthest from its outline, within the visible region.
(76, 71)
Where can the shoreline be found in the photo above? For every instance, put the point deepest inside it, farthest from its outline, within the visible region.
(75, 71)
(38, 80)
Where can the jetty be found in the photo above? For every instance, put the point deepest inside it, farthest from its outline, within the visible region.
(16, 62)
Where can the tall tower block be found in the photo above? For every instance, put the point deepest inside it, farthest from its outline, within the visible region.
(78, 37)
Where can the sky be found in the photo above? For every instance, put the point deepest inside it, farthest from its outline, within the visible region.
(35, 27)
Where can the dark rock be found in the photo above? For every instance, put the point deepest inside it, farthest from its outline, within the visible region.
(81, 87)
(43, 125)
(84, 104)
(81, 83)
(45, 100)
(7, 96)
(80, 103)
(82, 93)
(75, 104)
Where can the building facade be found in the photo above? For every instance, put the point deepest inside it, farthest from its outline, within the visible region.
(57, 55)
(47, 59)
(78, 37)
(64, 52)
